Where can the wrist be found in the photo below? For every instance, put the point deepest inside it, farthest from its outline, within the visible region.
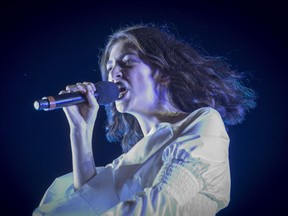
(81, 139)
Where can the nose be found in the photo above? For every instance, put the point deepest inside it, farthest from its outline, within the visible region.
(116, 73)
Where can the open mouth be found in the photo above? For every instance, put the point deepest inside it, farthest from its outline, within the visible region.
(122, 90)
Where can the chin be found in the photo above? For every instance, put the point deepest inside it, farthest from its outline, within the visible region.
(124, 107)
(120, 106)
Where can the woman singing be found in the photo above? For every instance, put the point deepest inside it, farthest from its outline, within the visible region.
(170, 118)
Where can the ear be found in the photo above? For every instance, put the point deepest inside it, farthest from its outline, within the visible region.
(164, 79)
(161, 78)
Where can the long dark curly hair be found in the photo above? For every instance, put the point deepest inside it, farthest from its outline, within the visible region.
(197, 80)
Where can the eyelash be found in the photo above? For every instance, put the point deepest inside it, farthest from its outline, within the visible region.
(109, 69)
(127, 61)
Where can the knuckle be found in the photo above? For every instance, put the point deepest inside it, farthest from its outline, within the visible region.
(62, 92)
(68, 87)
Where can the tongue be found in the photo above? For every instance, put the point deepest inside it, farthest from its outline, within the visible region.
(122, 89)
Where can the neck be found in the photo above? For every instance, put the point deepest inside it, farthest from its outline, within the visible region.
(148, 122)
(163, 111)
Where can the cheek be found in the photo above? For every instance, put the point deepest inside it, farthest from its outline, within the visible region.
(109, 77)
(147, 92)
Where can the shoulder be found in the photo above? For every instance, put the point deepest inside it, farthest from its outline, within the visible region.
(203, 121)
(202, 134)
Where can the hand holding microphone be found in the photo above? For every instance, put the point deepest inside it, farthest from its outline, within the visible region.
(87, 96)
(105, 93)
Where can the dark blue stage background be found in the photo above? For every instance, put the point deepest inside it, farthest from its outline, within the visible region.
(47, 45)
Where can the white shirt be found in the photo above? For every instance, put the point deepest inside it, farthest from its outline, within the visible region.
(177, 169)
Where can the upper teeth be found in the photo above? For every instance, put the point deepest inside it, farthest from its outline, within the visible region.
(122, 89)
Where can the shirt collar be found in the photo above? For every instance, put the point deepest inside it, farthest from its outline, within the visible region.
(149, 144)
(162, 135)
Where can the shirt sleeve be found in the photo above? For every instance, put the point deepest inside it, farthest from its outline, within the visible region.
(61, 187)
(204, 149)
(194, 179)
(175, 192)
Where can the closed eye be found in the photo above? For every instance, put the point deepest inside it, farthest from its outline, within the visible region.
(126, 61)
(129, 61)
(108, 69)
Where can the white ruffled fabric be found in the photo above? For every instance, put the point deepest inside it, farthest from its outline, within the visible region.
(177, 169)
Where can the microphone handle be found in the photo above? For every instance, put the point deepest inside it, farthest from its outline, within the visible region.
(60, 101)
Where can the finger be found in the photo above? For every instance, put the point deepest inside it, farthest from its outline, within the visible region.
(91, 98)
(62, 92)
(90, 84)
(80, 87)
(70, 88)
(86, 86)
(75, 88)
(93, 86)
(90, 89)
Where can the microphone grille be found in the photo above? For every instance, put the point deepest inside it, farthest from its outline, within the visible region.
(108, 92)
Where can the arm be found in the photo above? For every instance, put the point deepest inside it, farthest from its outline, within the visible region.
(81, 120)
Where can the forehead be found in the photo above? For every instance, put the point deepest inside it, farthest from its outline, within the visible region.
(121, 47)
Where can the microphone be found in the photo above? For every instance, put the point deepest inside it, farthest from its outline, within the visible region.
(106, 92)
